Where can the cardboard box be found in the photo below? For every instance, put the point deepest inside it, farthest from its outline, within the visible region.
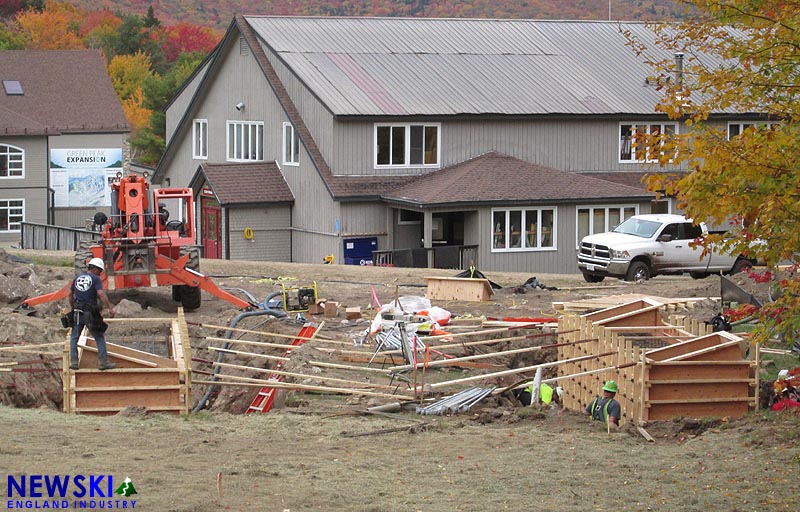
(316, 309)
(353, 313)
(331, 309)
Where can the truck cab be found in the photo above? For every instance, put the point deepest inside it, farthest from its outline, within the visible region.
(648, 245)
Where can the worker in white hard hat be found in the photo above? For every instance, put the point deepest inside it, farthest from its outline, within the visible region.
(86, 289)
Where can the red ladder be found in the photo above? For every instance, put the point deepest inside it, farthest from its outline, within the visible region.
(266, 395)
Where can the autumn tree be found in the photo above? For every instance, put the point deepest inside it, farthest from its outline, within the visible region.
(150, 143)
(740, 56)
(54, 28)
(128, 73)
(188, 38)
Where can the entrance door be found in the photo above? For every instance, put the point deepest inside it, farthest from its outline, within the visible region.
(211, 230)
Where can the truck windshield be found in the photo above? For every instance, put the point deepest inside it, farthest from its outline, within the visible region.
(638, 227)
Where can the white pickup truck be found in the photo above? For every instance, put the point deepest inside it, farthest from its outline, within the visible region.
(647, 245)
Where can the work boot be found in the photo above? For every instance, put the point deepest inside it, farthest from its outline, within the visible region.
(106, 366)
(74, 366)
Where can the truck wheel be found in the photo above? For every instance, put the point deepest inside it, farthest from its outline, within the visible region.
(741, 265)
(638, 271)
(592, 278)
(190, 297)
(82, 255)
(194, 257)
(176, 292)
(699, 275)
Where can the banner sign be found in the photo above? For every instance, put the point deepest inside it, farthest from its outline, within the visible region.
(82, 177)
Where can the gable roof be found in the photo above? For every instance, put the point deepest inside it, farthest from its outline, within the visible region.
(66, 91)
(629, 178)
(418, 66)
(497, 178)
(239, 184)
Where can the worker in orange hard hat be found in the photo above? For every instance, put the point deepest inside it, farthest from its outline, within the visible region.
(605, 408)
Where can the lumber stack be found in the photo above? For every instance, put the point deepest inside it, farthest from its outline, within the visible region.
(141, 379)
(690, 371)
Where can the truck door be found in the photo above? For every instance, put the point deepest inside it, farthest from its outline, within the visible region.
(678, 254)
(668, 255)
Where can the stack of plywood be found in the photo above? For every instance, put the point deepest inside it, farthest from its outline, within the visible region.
(141, 379)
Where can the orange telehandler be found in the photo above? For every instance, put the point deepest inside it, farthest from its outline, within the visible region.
(141, 246)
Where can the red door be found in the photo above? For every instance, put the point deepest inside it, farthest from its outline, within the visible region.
(210, 212)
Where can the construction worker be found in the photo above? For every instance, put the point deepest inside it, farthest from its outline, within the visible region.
(84, 293)
(605, 408)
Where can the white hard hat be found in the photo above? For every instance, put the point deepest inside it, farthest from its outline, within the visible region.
(97, 262)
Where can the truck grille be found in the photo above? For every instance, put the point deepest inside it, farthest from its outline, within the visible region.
(594, 253)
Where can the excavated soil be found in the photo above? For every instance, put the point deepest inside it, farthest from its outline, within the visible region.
(322, 452)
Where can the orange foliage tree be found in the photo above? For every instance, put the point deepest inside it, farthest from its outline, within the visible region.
(52, 29)
(740, 56)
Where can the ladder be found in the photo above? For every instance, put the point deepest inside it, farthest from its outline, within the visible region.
(266, 395)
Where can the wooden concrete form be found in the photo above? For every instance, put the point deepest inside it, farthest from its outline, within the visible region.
(457, 288)
(141, 379)
(696, 373)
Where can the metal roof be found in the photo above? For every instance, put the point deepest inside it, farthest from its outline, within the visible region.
(417, 66)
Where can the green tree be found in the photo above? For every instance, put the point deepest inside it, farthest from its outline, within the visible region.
(150, 143)
(740, 56)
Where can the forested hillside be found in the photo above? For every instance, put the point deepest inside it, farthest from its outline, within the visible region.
(218, 13)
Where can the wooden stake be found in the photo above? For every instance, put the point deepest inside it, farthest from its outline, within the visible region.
(287, 336)
(307, 387)
(249, 354)
(517, 370)
(349, 367)
(303, 376)
(28, 347)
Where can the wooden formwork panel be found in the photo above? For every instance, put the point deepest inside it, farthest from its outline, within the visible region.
(689, 370)
(126, 378)
(141, 379)
(456, 288)
(691, 390)
(685, 347)
(628, 307)
(127, 397)
(705, 409)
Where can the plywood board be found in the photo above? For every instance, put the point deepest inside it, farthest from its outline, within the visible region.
(457, 288)
(697, 410)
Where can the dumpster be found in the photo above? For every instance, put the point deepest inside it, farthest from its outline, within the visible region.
(358, 251)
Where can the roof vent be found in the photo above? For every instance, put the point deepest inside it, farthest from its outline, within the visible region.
(13, 87)
(679, 68)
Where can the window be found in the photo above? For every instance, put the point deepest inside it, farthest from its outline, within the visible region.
(599, 219)
(200, 138)
(407, 145)
(629, 151)
(523, 229)
(13, 88)
(245, 141)
(410, 217)
(291, 145)
(12, 213)
(735, 129)
(12, 162)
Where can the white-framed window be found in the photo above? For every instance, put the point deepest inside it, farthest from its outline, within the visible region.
(630, 151)
(12, 161)
(599, 219)
(12, 213)
(291, 145)
(245, 141)
(409, 217)
(523, 229)
(200, 139)
(407, 145)
(735, 129)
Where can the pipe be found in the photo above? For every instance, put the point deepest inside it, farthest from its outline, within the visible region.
(264, 310)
